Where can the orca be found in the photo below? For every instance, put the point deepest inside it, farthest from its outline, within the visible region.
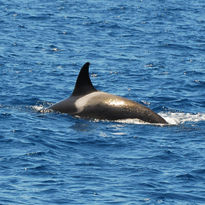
(89, 103)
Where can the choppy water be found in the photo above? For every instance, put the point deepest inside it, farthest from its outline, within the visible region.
(148, 51)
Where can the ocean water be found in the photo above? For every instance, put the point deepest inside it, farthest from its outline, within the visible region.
(151, 52)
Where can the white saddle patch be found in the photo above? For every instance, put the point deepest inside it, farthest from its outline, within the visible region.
(82, 102)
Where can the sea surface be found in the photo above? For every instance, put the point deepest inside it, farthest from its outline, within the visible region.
(152, 52)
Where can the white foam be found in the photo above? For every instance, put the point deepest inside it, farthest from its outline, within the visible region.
(175, 118)
(40, 108)
(37, 107)
(132, 121)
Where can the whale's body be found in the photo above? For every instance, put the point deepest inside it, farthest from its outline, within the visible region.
(87, 102)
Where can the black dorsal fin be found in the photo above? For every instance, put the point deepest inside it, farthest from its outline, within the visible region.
(83, 84)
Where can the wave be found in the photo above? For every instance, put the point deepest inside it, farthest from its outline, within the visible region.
(40, 108)
(176, 118)
(173, 118)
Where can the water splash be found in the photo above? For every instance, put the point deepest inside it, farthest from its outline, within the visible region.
(176, 118)
(40, 108)
(173, 118)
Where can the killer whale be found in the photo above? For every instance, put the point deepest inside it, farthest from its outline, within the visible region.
(89, 103)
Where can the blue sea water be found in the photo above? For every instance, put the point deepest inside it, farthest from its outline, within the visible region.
(152, 52)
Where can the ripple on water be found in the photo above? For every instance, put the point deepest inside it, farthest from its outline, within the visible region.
(148, 51)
